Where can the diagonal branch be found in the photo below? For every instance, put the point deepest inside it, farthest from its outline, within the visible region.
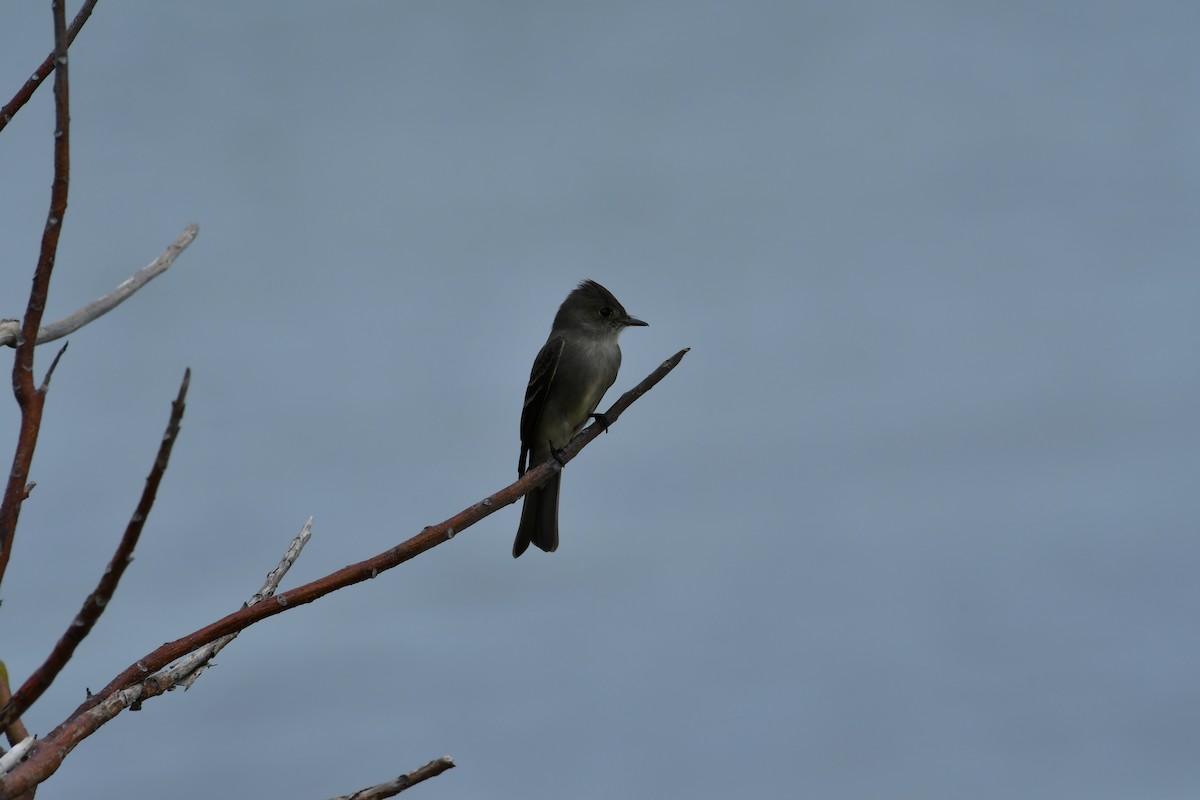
(45, 387)
(42, 677)
(45, 68)
(429, 538)
(10, 328)
(394, 787)
(28, 397)
(128, 687)
(186, 672)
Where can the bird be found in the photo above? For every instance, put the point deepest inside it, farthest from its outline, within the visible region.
(572, 371)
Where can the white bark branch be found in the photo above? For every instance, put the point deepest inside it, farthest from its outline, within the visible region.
(10, 329)
(14, 756)
(189, 668)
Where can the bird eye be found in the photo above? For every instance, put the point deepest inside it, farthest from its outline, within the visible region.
(606, 312)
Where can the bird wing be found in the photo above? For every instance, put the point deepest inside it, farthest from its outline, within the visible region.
(540, 378)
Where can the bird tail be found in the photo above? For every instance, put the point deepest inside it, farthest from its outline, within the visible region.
(539, 519)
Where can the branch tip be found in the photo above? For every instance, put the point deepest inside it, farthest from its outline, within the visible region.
(45, 387)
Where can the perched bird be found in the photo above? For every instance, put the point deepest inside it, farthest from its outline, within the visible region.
(570, 375)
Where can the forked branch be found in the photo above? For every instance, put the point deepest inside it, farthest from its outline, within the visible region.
(45, 68)
(182, 673)
(24, 387)
(139, 681)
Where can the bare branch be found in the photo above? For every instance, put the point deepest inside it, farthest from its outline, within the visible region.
(370, 568)
(137, 682)
(28, 398)
(45, 68)
(16, 731)
(13, 332)
(14, 756)
(184, 672)
(45, 387)
(10, 329)
(42, 677)
(187, 671)
(394, 787)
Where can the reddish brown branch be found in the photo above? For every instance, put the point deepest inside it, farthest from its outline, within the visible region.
(45, 68)
(429, 538)
(28, 397)
(48, 753)
(394, 787)
(42, 677)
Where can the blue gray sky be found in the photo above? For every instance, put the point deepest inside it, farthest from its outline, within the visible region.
(916, 517)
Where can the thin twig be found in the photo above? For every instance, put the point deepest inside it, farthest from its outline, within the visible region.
(10, 329)
(28, 398)
(45, 387)
(42, 677)
(192, 667)
(394, 787)
(130, 687)
(45, 68)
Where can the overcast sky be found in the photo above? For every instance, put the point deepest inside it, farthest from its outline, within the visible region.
(917, 517)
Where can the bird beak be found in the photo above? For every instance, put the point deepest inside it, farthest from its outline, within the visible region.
(635, 322)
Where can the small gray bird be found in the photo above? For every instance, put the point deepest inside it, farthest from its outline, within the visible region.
(570, 375)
